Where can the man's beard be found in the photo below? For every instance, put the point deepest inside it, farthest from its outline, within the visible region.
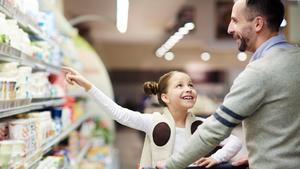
(243, 45)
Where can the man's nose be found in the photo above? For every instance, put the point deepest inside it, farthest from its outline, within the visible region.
(230, 28)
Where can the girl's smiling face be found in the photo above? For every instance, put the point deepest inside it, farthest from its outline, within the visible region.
(181, 94)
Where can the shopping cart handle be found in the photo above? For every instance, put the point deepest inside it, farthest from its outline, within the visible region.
(219, 166)
(225, 165)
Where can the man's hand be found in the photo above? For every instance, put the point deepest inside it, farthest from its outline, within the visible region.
(161, 165)
(241, 161)
(206, 162)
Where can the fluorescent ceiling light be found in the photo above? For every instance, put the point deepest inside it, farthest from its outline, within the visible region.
(171, 42)
(122, 15)
(160, 52)
(189, 26)
(183, 31)
(169, 56)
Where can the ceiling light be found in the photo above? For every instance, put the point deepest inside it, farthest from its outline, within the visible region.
(122, 15)
(160, 52)
(169, 56)
(167, 46)
(189, 26)
(173, 40)
(183, 31)
(242, 56)
(205, 56)
(176, 37)
(170, 43)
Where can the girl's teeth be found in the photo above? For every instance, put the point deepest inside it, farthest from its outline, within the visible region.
(187, 98)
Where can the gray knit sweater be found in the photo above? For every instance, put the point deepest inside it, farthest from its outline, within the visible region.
(266, 97)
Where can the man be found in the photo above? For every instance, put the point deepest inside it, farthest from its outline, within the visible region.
(265, 96)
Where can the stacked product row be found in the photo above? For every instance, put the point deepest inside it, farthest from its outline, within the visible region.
(23, 136)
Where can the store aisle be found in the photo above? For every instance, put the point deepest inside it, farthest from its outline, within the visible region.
(129, 143)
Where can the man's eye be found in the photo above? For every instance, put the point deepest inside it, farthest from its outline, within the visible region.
(234, 20)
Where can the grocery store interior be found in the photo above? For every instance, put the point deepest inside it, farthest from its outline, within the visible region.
(117, 45)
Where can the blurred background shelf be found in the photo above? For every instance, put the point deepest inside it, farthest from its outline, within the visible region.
(9, 54)
(29, 107)
(33, 159)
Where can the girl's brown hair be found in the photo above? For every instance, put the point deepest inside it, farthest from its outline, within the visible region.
(154, 88)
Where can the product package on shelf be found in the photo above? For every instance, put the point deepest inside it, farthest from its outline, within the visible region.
(11, 151)
(13, 85)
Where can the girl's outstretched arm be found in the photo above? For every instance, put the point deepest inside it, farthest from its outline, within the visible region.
(122, 115)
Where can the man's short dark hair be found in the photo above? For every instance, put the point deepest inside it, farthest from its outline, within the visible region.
(272, 10)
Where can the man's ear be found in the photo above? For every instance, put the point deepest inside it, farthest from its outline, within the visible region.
(164, 98)
(260, 22)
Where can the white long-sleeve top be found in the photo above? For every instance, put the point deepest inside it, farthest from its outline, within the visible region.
(143, 122)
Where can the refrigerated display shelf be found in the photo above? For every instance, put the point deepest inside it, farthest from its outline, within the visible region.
(10, 54)
(32, 161)
(24, 21)
(65, 133)
(82, 154)
(38, 64)
(30, 107)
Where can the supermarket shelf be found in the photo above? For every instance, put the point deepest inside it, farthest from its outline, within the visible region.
(65, 133)
(82, 153)
(10, 54)
(30, 107)
(27, 60)
(24, 21)
(33, 160)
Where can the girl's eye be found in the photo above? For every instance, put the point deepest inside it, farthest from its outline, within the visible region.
(179, 85)
(191, 85)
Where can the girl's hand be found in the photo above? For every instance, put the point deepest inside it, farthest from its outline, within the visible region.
(206, 162)
(241, 161)
(72, 76)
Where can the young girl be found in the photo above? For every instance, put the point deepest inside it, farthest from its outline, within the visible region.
(166, 131)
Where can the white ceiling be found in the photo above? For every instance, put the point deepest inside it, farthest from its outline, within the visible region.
(147, 24)
(148, 19)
